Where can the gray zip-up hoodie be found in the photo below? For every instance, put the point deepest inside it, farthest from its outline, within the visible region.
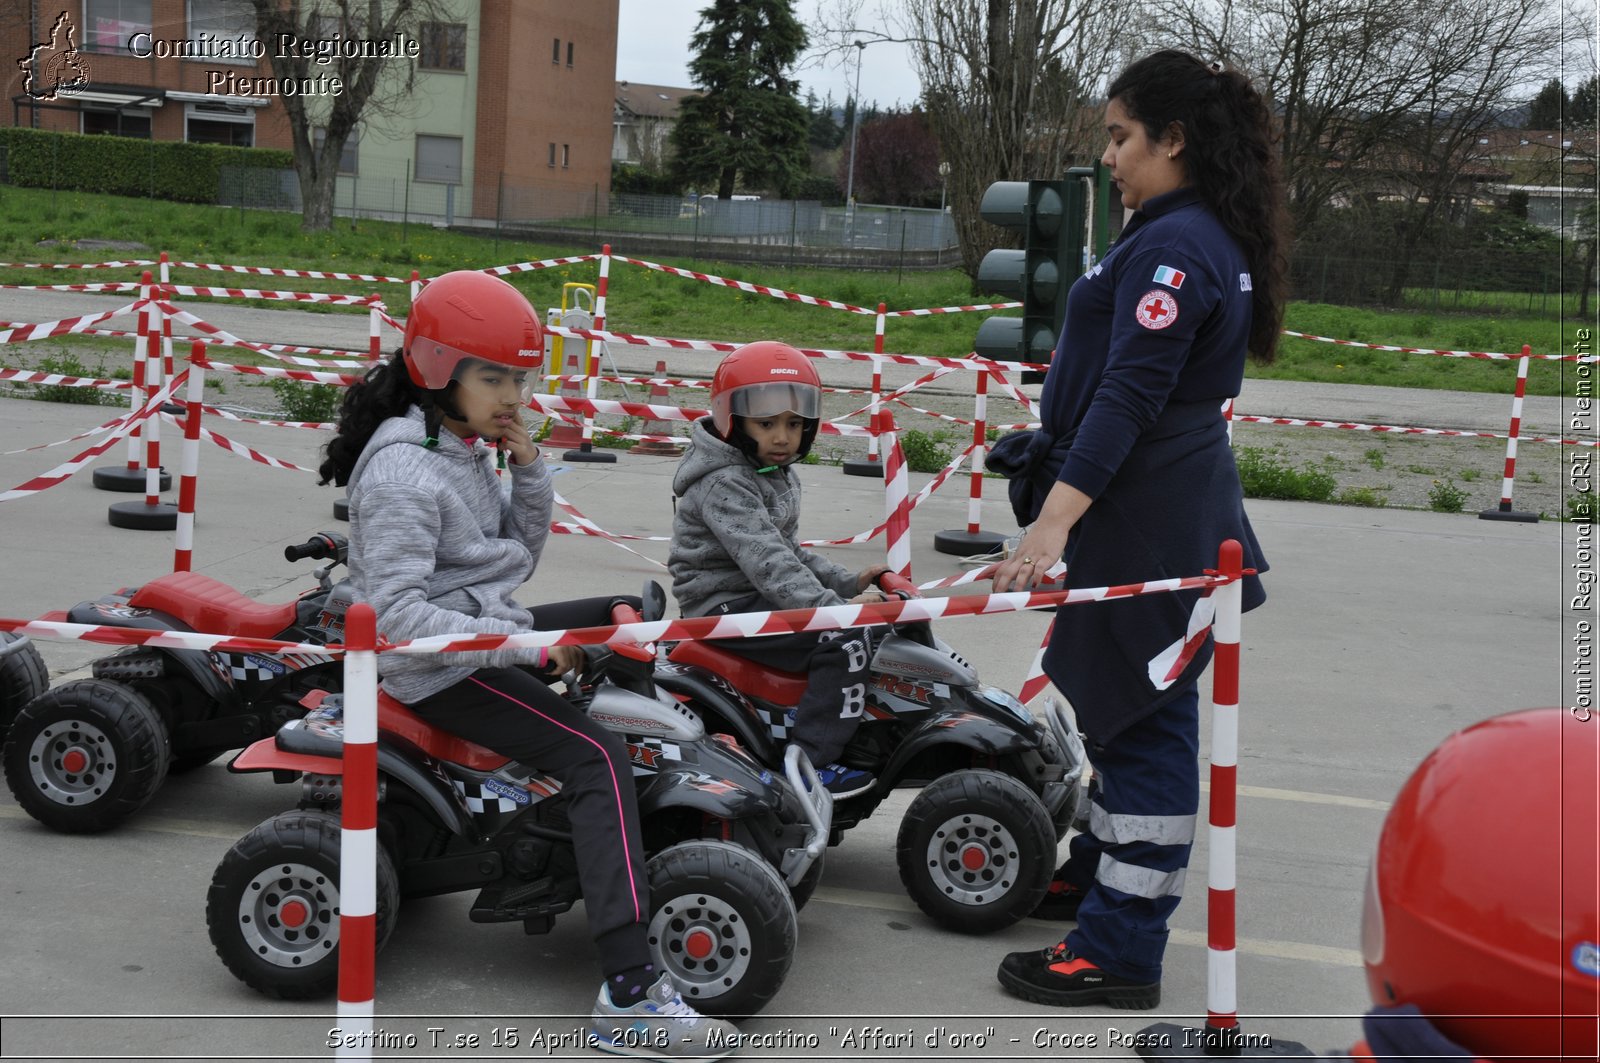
(735, 533)
(438, 545)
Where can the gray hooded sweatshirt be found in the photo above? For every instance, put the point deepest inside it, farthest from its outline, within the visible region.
(735, 533)
(438, 545)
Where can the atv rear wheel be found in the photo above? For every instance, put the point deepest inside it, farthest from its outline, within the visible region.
(23, 676)
(273, 907)
(722, 923)
(976, 850)
(85, 756)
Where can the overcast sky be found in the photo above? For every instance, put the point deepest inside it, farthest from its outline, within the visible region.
(653, 48)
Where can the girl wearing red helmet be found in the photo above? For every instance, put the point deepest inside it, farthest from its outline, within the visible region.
(438, 546)
(735, 546)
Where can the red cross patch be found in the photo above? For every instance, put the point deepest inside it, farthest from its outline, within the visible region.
(1156, 309)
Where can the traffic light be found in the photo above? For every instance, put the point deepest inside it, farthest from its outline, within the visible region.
(1051, 216)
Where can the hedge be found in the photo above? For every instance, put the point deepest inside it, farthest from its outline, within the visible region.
(128, 166)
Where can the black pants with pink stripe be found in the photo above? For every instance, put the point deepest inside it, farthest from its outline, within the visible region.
(513, 712)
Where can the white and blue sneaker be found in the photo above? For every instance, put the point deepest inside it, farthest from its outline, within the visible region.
(660, 1026)
(841, 781)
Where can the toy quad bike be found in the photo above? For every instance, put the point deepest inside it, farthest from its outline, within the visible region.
(91, 752)
(454, 816)
(977, 846)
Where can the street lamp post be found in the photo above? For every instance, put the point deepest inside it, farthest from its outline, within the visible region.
(855, 124)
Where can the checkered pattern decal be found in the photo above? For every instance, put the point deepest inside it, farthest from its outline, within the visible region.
(482, 798)
(263, 668)
(648, 753)
(778, 721)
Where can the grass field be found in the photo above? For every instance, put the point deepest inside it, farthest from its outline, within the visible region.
(650, 302)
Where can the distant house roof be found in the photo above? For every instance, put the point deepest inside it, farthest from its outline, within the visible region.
(651, 101)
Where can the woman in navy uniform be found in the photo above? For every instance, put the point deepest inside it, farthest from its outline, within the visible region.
(1133, 461)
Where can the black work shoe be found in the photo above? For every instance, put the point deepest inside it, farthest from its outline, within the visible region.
(1060, 902)
(1056, 976)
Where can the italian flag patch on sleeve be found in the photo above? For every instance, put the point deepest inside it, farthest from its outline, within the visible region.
(1172, 278)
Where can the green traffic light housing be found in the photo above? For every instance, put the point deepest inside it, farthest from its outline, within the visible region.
(1051, 216)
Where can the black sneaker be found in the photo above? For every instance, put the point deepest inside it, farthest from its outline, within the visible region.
(841, 781)
(1060, 902)
(1056, 976)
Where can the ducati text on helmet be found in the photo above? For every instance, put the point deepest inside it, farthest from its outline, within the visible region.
(465, 315)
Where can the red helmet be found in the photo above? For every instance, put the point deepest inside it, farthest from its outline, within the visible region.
(1483, 903)
(763, 379)
(468, 314)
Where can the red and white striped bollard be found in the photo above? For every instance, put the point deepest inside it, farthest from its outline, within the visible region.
(1504, 510)
(358, 835)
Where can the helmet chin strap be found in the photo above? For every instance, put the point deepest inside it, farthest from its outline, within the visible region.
(436, 406)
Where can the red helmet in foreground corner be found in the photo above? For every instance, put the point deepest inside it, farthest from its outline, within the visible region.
(467, 314)
(1483, 904)
(764, 379)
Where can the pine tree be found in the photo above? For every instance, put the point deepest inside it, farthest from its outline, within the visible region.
(746, 126)
(1545, 112)
(1584, 110)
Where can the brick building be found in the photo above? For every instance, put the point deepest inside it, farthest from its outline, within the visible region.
(511, 100)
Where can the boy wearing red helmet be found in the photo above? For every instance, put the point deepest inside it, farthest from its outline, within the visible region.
(736, 548)
(439, 545)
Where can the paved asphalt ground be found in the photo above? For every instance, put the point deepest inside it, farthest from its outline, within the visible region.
(1385, 631)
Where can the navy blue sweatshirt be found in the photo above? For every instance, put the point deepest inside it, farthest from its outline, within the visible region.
(1154, 341)
(1165, 317)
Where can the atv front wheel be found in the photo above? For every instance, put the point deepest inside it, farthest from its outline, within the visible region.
(722, 923)
(976, 851)
(273, 907)
(85, 756)
(22, 676)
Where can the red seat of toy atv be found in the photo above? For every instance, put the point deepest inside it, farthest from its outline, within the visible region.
(440, 745)
(768, 684)
(213, 607)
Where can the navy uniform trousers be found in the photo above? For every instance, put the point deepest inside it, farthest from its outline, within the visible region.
(1143, 805)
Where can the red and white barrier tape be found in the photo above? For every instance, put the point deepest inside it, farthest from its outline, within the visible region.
(950, 310)
(1490, 355)
(333, 298)
(127, 264)
(122, 428)
(786, 621)
(721, 346)
(744, 286)
(1036, 680)
(110, 425)
(105, 286)
(267, 271)
(21, 333)
(27, 376)
(239, 449)
(526, 267)
(1407, 431)
(308, 375)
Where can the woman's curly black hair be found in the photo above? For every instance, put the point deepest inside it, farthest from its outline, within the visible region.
(386, 391)
(1229, 153)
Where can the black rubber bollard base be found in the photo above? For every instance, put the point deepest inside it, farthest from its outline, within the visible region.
(863, 468)
(341, 509)
(1168, 1040)
(963, 543)
(590, 455)
(128, 481)
(1517, 515)
(143, 517)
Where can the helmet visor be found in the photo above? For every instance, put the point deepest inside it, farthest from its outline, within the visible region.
(440, 363)
(507, 383)
(771, 399)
